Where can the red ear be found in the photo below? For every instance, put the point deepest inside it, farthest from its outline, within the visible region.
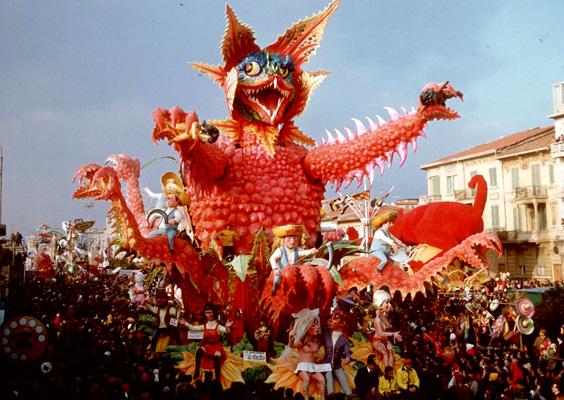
(215, 72)
(239, 40)
(302, 39)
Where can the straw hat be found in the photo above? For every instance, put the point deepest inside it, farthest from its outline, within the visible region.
(525, 325)
(389, 214)
(172, 184)
(288, 230)
(525, 307)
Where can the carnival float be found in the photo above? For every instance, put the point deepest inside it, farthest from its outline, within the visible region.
(254, 182)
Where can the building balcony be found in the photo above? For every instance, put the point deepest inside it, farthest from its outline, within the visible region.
(430, 198)
(512, 236)
(524, 236)
(557, 149)
(530, 193)
(464, 194)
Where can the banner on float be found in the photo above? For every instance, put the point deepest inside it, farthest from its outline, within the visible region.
(195, 335)
(255, 356)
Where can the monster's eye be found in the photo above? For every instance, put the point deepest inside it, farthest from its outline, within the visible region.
(252, 68)
(284, 72)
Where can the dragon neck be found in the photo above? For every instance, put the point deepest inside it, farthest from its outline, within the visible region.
(127, 226)
(481, 193)
(135, 204)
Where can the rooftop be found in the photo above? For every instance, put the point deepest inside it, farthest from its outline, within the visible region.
(520, 142)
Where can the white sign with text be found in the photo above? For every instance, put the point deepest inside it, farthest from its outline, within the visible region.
(255, 356)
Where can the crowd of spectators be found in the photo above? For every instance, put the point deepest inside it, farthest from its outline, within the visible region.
(455, 356)
(96, 351)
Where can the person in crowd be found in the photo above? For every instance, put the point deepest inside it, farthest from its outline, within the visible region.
(539, 343)
(366, 379)
(288, 252)
(138, 292)
(387, 385)
(509, 333)
(92, 355)
(407, 379)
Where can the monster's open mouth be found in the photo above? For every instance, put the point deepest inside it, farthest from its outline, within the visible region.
(269, 100)
(94, 180)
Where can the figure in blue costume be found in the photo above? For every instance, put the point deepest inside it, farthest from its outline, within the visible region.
(288, 253)
(172, 216)
(384, 245)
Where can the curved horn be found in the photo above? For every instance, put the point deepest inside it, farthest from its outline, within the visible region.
(157, 211)
(331, 254)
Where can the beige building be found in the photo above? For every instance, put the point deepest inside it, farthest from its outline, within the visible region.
(525, 204)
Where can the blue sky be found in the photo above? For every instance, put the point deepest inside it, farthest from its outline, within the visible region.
(80, 79)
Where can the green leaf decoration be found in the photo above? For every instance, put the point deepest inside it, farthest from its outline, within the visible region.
(243, 345)
(154, 160)
(258, 374)
(278, 348)
(358, 336)
(177, 349)
(214, 248)
(240, 265)
(336, 276)
(320, 262)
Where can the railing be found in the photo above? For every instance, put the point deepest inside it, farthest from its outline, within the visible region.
(530, 192)
(430, 198)
(512, 236)
(557, 149)
(464, 194)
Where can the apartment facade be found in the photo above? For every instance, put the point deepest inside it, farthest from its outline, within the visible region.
(525, 203)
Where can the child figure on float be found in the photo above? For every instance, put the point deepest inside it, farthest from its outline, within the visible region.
(288, 252)
(172, 217)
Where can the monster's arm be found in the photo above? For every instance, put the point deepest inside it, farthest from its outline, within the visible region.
(202, 160)
(342, 159)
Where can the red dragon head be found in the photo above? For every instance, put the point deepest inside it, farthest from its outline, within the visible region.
(268, 86)
(96, 182)
(432, 101)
